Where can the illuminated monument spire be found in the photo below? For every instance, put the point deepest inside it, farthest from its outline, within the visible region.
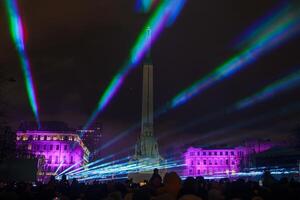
(146, 149)
(147, 146)
(147, 105)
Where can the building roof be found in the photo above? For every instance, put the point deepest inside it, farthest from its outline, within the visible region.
(45, 126)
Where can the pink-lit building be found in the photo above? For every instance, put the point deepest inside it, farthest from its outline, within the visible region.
(55, 150)
(223, 161)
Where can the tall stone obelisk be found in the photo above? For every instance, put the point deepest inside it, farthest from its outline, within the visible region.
(146, 149)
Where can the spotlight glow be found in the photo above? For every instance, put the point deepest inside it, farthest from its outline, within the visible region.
(292, 108)
(289, 82)
(258, 28)
(166, 12)
(271, 90)
(58, 168)
(17, 34)
(121, 168)
(273, 35)
(69, 168)
(144, 5)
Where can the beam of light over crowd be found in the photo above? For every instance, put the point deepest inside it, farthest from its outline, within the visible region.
(273, 35)
(293, 108)
(85, 167)
(86, 170)
(114, 163)
(124, 150)
(17, 34)
(283, 26)
(58, 168)
(165, 13)
(258, 28)
(89, 165)
(100, 168)
(125, 168)
(71, 167)
(289, 82)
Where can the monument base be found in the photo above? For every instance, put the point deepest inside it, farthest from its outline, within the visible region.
(139, 177)
(151, 163)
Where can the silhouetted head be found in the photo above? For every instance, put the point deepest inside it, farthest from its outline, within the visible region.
(64, 177)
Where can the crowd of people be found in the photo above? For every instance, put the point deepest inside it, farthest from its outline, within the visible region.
(171, 187)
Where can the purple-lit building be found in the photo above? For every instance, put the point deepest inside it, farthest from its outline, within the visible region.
(221, 161)
(55, 150)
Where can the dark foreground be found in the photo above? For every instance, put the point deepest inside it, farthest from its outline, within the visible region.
(170, 188)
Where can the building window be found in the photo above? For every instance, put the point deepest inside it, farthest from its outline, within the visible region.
(65, 159)
(215, 153)
(209, 153)
(204, 162)
(232, 153)
(57, 147)
(49, 159)
(71, 160)
(65, 147)
(56, 159)
(41, 137)
(192, 153)
(232, 163)
(226, 153)
(221, 153)
(192, 162)
(45, 147)
(204, 153)
(51, 147)
(216, 162)
(198, 162)
(198, 171)
(209, 162)
(191, 172)
(227, 162)
(49, 169)
(30, 137)
(198, 153)
(37, 147)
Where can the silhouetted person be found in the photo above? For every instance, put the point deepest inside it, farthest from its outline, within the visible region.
(155, 180)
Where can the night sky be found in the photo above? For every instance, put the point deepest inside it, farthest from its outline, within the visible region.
(76, 46)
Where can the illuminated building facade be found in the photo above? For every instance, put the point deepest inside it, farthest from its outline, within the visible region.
(55, 150)
(222, 161)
